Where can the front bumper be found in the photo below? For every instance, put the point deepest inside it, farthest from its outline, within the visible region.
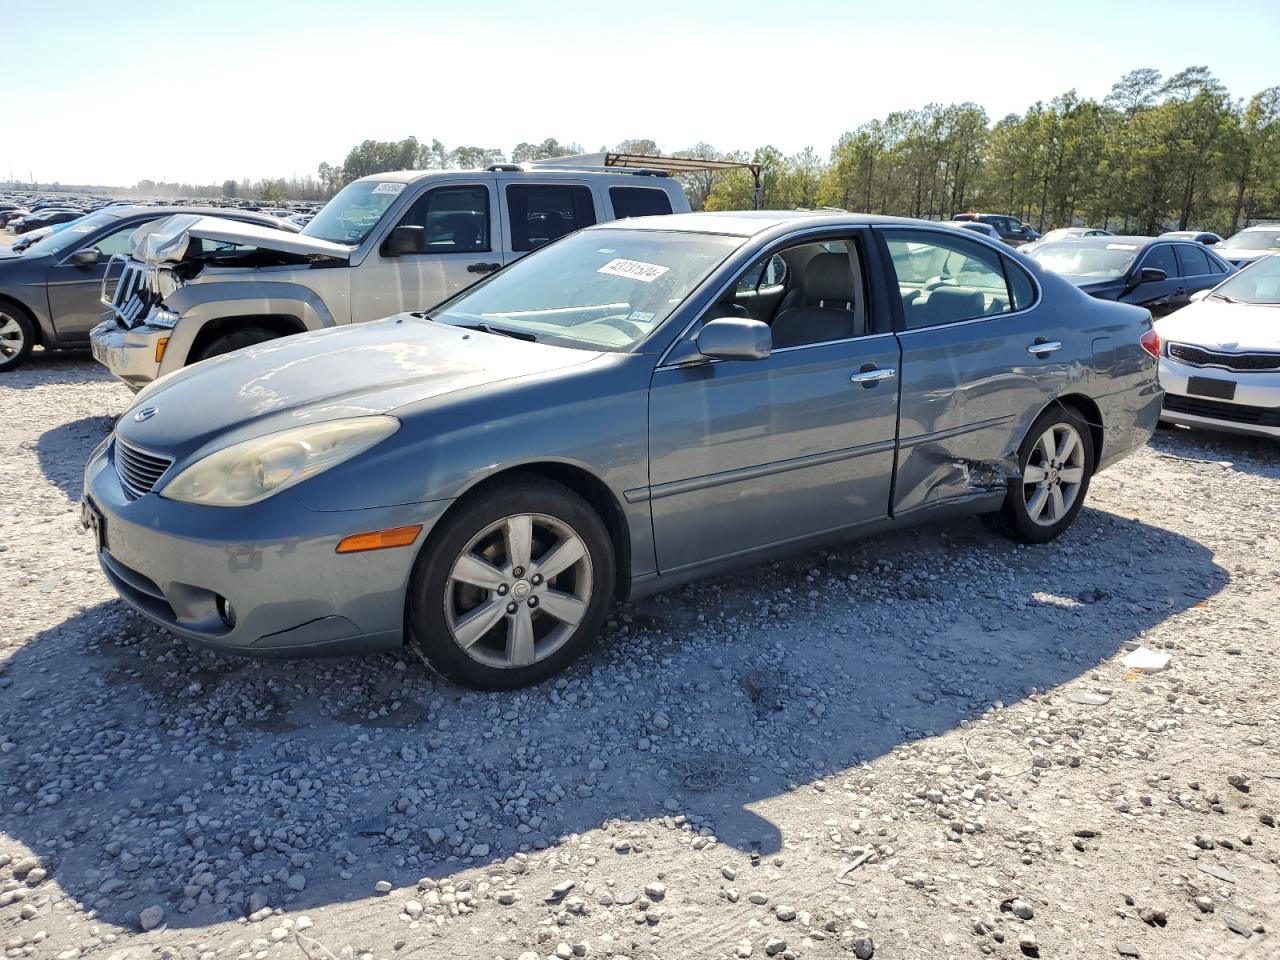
(1254, 409)
(262, 580)
(131, 355)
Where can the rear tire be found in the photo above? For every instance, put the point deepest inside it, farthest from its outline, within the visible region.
(17, 336)
(512, 587)
(1055, 465)
(235, 340)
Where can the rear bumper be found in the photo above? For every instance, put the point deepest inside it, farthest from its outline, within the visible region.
(1254, 409)
(130, 355)
(263, 580)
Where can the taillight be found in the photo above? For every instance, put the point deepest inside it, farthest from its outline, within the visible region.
(1151, 343)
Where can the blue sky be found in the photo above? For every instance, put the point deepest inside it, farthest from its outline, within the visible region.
(112, 93)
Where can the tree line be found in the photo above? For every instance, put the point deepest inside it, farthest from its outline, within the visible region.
(1155, 153)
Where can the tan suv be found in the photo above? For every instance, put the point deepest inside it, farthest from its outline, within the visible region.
(194, 287)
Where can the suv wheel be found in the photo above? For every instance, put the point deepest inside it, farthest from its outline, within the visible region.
(17, 336)
(235, 340)
(1056, 463)
(512, 587)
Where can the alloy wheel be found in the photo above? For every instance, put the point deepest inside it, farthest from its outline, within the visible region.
(12, 339)
(1053, 475)
(518, 590)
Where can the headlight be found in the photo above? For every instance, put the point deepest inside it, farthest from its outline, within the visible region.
(256, 469)
(162, 318)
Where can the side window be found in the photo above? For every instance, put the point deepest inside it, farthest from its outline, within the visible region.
(1193, 260)
(765, 276)
(1161, 257)
(1218, 265)
(638, 202)
(540, 214)
(454, 219)
(948, 279)
(117, 243)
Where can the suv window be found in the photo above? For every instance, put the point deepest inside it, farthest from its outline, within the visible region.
(1161, 257)
(542, 213)
(455, 219)
(1193, 260)
(638, 202)
(949, 279)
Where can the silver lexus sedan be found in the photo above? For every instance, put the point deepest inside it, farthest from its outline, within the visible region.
(635, 405)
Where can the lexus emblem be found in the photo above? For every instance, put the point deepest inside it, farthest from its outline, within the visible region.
(146, 413)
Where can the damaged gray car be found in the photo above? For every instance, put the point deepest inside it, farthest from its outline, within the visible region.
(635, 405)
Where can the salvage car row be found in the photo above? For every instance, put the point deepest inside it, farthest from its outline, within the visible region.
(629, 397)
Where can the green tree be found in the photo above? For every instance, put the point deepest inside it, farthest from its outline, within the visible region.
(228, 188)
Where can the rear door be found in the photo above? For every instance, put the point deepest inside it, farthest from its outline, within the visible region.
(970, 379)
(534, 214)
(1198, 272)
(459, 221)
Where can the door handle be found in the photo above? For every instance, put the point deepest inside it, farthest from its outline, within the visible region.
(1044, 347)
(869, 378)
(483, 267)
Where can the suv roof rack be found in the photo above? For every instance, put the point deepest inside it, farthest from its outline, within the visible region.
(549, 166)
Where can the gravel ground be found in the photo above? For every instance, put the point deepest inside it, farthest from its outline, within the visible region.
(923, 745)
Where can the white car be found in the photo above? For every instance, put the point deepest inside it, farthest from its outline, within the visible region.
(1250, 244)
(1220, 356)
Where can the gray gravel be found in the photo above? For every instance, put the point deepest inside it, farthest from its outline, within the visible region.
(918, 746)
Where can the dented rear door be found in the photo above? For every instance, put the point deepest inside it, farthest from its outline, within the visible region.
(970, 382)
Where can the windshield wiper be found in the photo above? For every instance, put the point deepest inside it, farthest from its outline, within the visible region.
(500, 331)
(1223, 297)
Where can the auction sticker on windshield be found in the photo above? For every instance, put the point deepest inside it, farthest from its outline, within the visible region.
(1122, 246)
(391, 188)
(634, 269)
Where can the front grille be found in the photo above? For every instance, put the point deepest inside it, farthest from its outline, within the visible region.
(138, 470)
(1219, 410)
(135, 293)
(1201, 357)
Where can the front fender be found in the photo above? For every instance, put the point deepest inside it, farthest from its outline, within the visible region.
(198, 304)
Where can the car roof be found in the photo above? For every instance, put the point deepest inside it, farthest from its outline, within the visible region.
(541, 173)
(749, 223)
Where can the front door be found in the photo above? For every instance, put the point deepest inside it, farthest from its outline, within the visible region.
(747, 454)
(1159, 296)
(459, 221)
(75, 290)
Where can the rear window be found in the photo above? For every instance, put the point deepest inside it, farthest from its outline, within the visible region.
(638, 202)
(540, 214)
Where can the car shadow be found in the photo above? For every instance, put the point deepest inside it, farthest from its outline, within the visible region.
(142, 770)
(63, 450)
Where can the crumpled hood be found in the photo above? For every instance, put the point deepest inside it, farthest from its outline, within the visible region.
(167, 240)
(365, 369)
(1218, 325)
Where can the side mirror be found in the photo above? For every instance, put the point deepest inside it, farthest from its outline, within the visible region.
(1151, 275)
(86, 257)
(735, 338)
(405, 240)
(1199, 295)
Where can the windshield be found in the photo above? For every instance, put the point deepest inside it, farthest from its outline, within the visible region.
(1253, 240)
(73, 233)
(1085, 260)
(598, 289)
(1259, 283)
(349, 216)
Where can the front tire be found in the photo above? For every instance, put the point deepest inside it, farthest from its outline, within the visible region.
(1055, 463)
(235, 340)
(512, 587)
(17, 336)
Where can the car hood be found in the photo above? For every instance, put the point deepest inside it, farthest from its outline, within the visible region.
(1095, 286)
(366, 369)
(1238, 254)
(1218, 325)
(167, 240)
